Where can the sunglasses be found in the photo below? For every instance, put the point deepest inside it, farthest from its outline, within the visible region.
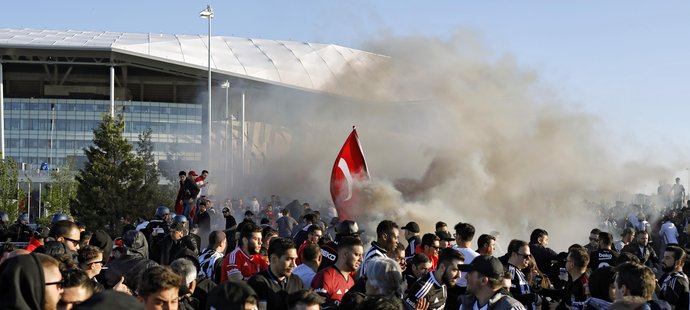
(524, 256)
(74, 242)
(58, 283)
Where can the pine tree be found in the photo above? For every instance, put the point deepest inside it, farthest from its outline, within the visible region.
(109, 186)
(160, 195)
(62, 190)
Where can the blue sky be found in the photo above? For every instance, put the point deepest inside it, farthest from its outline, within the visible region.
(625, 61)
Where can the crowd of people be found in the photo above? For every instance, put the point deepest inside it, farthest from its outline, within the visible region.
(289, 257)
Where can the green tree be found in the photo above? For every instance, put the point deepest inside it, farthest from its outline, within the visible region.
(159, 194)
(9, 189)
(109, 186)
(61, 191)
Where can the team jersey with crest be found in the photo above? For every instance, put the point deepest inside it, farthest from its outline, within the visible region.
(330, 283)
(239, 262)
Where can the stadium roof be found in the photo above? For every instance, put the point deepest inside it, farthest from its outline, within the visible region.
(309, 66)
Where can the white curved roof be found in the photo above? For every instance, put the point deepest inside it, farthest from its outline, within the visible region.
(304, 65)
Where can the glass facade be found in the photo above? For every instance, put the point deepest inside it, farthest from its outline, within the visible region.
(50, 130)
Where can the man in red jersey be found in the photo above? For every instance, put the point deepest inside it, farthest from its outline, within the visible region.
(314, 233)
(336, 280)
(244, 261)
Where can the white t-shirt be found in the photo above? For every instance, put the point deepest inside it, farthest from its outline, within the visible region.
(470, 255)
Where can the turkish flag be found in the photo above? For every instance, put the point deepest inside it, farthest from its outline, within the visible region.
(349, 166)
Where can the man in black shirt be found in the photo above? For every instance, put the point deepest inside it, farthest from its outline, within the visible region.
(605, 255)
(433, 287)
(277, 282)
(641, 248)
(576, 290)
(674, 283)
(538, 245)
(412, 237)
(417, 267)
(230, 228)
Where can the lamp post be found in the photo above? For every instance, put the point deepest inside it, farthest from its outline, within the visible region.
(208, 14)
(226, 86)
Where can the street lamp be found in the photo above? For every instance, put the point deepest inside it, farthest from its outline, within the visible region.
(226, 86)
(208, 14)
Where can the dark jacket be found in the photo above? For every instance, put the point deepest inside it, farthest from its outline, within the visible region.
(22, 281)
(165, 251)
(190, 189)
(499, 301)
(268, 288)
(648, 258)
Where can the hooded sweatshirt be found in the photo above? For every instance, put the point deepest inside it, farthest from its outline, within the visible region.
(22, 281)
(133, 264)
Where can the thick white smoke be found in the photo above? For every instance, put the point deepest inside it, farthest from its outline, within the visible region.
(454, 133)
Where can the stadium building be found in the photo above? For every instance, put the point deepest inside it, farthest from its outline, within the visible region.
(56, 86)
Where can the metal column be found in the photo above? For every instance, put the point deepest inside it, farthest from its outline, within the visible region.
(243, 137)
(112, 91)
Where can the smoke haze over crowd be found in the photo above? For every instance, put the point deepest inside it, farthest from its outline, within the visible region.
(453, 133)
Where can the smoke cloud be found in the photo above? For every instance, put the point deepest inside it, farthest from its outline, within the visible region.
(453, 132)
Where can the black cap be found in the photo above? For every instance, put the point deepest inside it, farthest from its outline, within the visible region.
(445, 236)
(411, 226)
(348, 228)
(487, 265)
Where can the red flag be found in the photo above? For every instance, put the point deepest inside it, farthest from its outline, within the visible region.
(349, 166)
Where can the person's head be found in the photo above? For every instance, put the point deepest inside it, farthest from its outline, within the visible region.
(384, 277)
(66, 232)
(601, 283)
(163, 213)
(398, 255)
(187, 271)
(519, 253)
(605, 240)
(464, 232)
(430, 245)
(250, 238)
(235, 295)
(77, 287)
(642, 238)
(202, 205)
(387, 233)
(286, 212)
(159, 287)
(227, 212)
(52, 279)
(309, 218)
(411, 230)
(182, 175)
(350, 251)
(440, 226)
(311, 254)
(677, 180)
(177, 231)
(627, 235)
(486, 244)
(485, 275)
(673, 259)
(282, 254)
(627, 257)
(539, 236)
(314, 233)
(420, 265)
(204, 174)
(577, 261)
(90, 260)
(594, 237)
(445, 239)
(217, 240)
(447, 271)
(304, 300)
(634, 280)
(268, 233)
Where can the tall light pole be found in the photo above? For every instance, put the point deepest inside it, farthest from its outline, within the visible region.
(208, 14)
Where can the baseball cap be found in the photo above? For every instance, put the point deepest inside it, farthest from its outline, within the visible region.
(192, 172)
(628, 230)
(411, 226)
(487, 265)
(348, 228)
(445, 236)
